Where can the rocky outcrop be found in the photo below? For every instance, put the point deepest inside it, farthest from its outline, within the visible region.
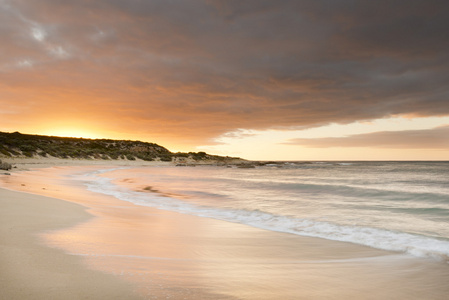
(5, 166)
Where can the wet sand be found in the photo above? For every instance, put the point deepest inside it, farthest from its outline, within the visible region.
(164, 254)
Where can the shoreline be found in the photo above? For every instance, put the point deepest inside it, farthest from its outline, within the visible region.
(161, 253)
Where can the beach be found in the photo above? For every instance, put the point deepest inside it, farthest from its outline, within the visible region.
(61, 240)
(31, 270)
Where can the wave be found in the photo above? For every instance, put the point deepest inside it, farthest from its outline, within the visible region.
(350, 190)
(416, 245)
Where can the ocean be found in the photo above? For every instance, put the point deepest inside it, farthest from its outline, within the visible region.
(395, 206)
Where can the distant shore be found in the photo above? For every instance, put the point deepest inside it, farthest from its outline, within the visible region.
(20, 164)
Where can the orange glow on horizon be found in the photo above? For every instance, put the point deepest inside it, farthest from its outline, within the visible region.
(72, 132)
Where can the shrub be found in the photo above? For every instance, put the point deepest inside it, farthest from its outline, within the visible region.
(181, 154)
(130, 157)
(27, 148)
(28, 153)
(4, 151)
(166, 158)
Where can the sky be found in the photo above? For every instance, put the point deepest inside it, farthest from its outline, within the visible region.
(265, 80)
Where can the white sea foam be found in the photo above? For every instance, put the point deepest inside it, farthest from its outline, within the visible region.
(417, 245)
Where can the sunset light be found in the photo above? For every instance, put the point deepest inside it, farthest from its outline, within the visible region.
(224, 149)
(284, 76)
(76, 133)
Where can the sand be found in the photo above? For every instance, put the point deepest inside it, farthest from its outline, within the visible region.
(21, 164)
(97, 247)
(30, 270)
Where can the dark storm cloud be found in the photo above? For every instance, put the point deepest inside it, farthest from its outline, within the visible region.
(204, 68)
(437, 138)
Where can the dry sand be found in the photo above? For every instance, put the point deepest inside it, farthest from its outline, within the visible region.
(21, 164)
(30, 270)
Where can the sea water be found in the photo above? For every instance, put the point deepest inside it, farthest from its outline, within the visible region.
(397, 206)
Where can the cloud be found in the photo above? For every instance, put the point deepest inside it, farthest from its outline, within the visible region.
(204, 68)
(38, 34)
(436, 138)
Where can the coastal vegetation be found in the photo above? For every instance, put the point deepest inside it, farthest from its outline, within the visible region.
(17, 144)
